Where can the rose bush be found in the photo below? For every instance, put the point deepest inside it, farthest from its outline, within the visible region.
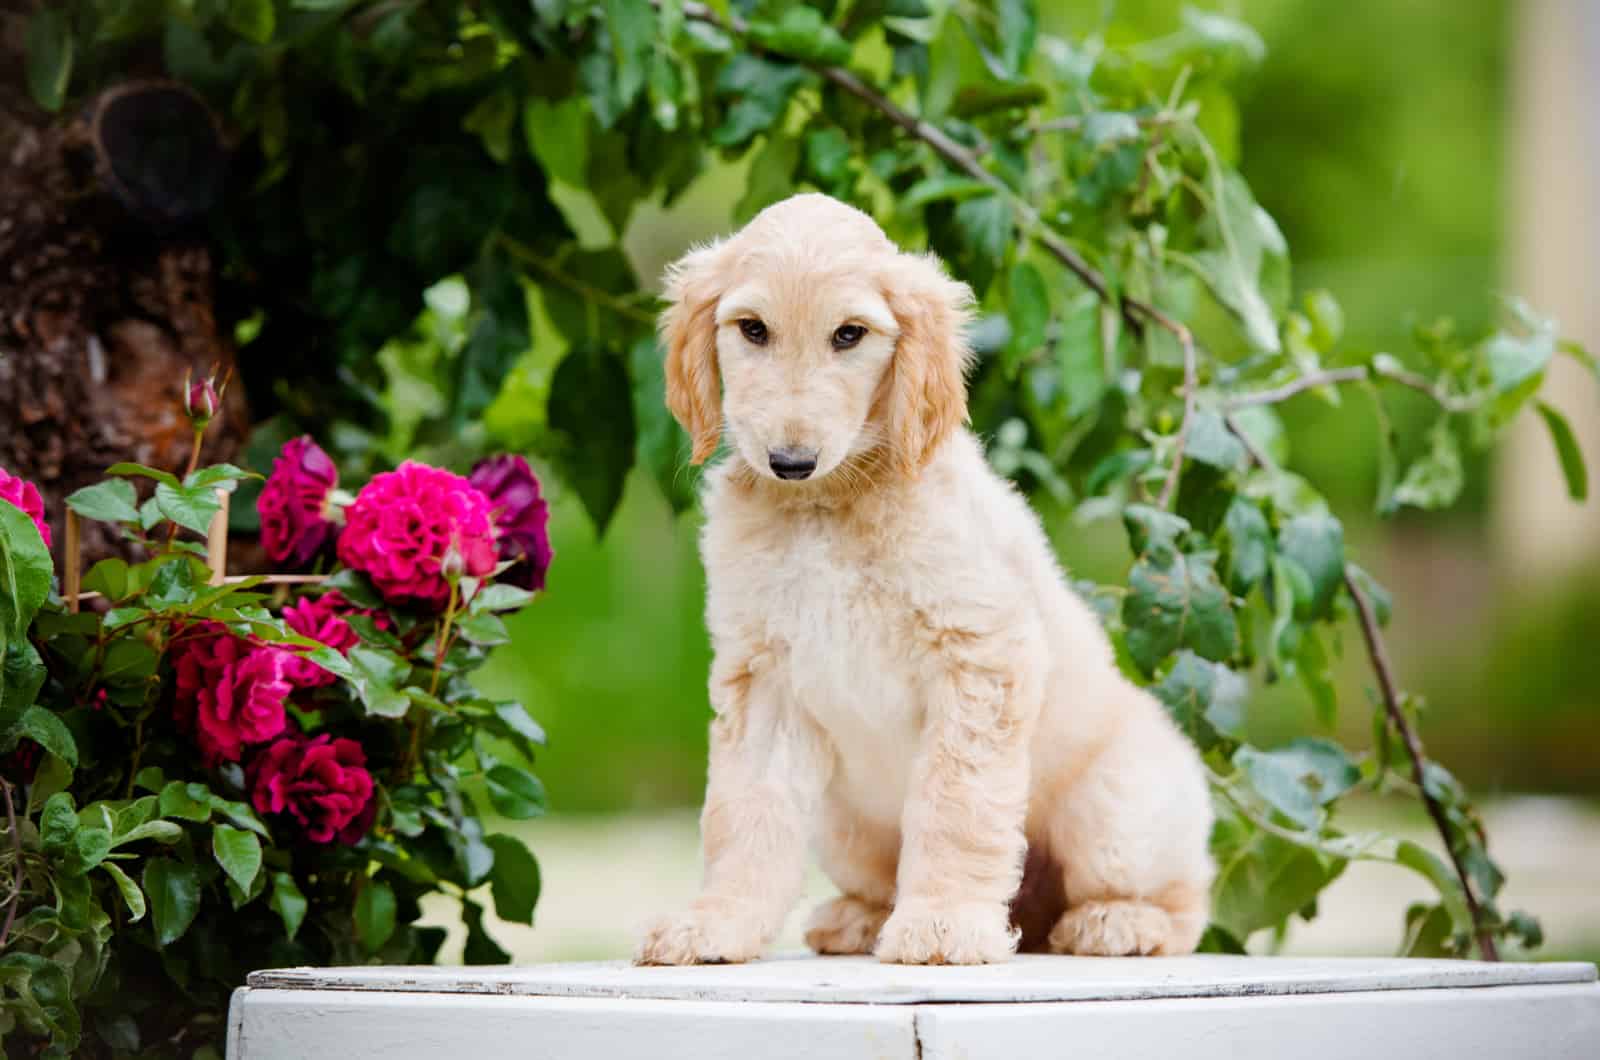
(214, 778)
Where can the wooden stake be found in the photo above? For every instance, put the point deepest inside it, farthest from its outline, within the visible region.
(73, 549)
(217, 541)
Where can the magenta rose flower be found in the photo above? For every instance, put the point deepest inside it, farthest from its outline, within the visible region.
(25, 495)
(296, 517)
(230, 692)
(322, 782)
(322, 618)
(521, 517)
(406, 525)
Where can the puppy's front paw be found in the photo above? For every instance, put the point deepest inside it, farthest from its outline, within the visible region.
(921, 932)
(845, 925)
(708, 932)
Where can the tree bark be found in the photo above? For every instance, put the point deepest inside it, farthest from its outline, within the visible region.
(107, 286)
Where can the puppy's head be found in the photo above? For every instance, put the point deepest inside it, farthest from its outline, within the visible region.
(813, 340)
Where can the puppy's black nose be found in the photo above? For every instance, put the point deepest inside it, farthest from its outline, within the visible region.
(792, 462)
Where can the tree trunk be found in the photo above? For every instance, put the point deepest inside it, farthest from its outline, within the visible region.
(107, 284)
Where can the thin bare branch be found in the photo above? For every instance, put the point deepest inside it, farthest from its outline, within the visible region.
(1379, 656)
(1190, 382)
(15, 898)
(1296, 386)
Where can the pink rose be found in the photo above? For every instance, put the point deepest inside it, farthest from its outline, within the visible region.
(293, 506)
(521, 517)
(230, 692)
(25, 495)
(322, 618)
(408, 526)
(322, 782)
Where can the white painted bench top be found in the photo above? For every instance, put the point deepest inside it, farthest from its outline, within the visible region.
(1195, 1007)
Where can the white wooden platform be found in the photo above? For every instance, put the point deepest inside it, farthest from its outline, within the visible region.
(1195, 1008)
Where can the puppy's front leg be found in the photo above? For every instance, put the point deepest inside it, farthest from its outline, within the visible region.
(962, 851)
(769, 765)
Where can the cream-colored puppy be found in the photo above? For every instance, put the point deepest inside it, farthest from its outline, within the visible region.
(902, 677)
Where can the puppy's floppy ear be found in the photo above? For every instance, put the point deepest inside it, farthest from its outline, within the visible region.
(688, 327)
(927, 395)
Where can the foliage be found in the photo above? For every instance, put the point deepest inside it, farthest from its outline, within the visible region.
(447, 183)
(201, 782)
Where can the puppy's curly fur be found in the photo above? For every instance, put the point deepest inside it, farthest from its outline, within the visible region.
(902, 677)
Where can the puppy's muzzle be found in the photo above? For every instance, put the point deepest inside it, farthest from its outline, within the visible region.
(792, 462)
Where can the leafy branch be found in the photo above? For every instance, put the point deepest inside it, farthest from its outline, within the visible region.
(1378, 654)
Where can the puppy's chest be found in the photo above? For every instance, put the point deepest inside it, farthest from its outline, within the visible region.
(840, 625)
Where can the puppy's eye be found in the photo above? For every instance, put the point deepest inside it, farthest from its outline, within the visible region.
(848, 335)
(753, 330)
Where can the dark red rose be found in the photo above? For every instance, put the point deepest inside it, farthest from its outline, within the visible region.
(322, 618)
(296, 518)
(230, 692)
(321, 782)
(521, 517)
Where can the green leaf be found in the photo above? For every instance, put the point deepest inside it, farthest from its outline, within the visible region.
(1436, 479)
(1017, 29)
(166, 478)
(485, 630)
(501, 334)
(1299, 778)
(49, 49)
(1249, 251)
(1176, 602)
(25, 571)
(498, 596)
(558, 136)
(160, 831)
(218, 476)
(1248, 544)
(1567, 449)
(109, 577)
(772, 176)
(188, 801)
(590, 404)
(128, 662)
(239, 854)
(1267, 881)
(58, 823)
(173, 888)
(663, 447)
(1028, 307)
(801, 33)
(111, 501)
(516, 716)
(288, 902)
(22, 674)
(515, 792)
(1210, 442)
(375, 914)
(132, 896)
(1315, 543)
(377, 675)
(985, 225)
(631, 25)
(190, 507)
(1206, 699)
(761, 90)
(253, 19)
(937, 189)
(479, 948)
(514, 880)
(46, 729)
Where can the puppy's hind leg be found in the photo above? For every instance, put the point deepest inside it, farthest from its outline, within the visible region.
(1131, 834)
(860, 857)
